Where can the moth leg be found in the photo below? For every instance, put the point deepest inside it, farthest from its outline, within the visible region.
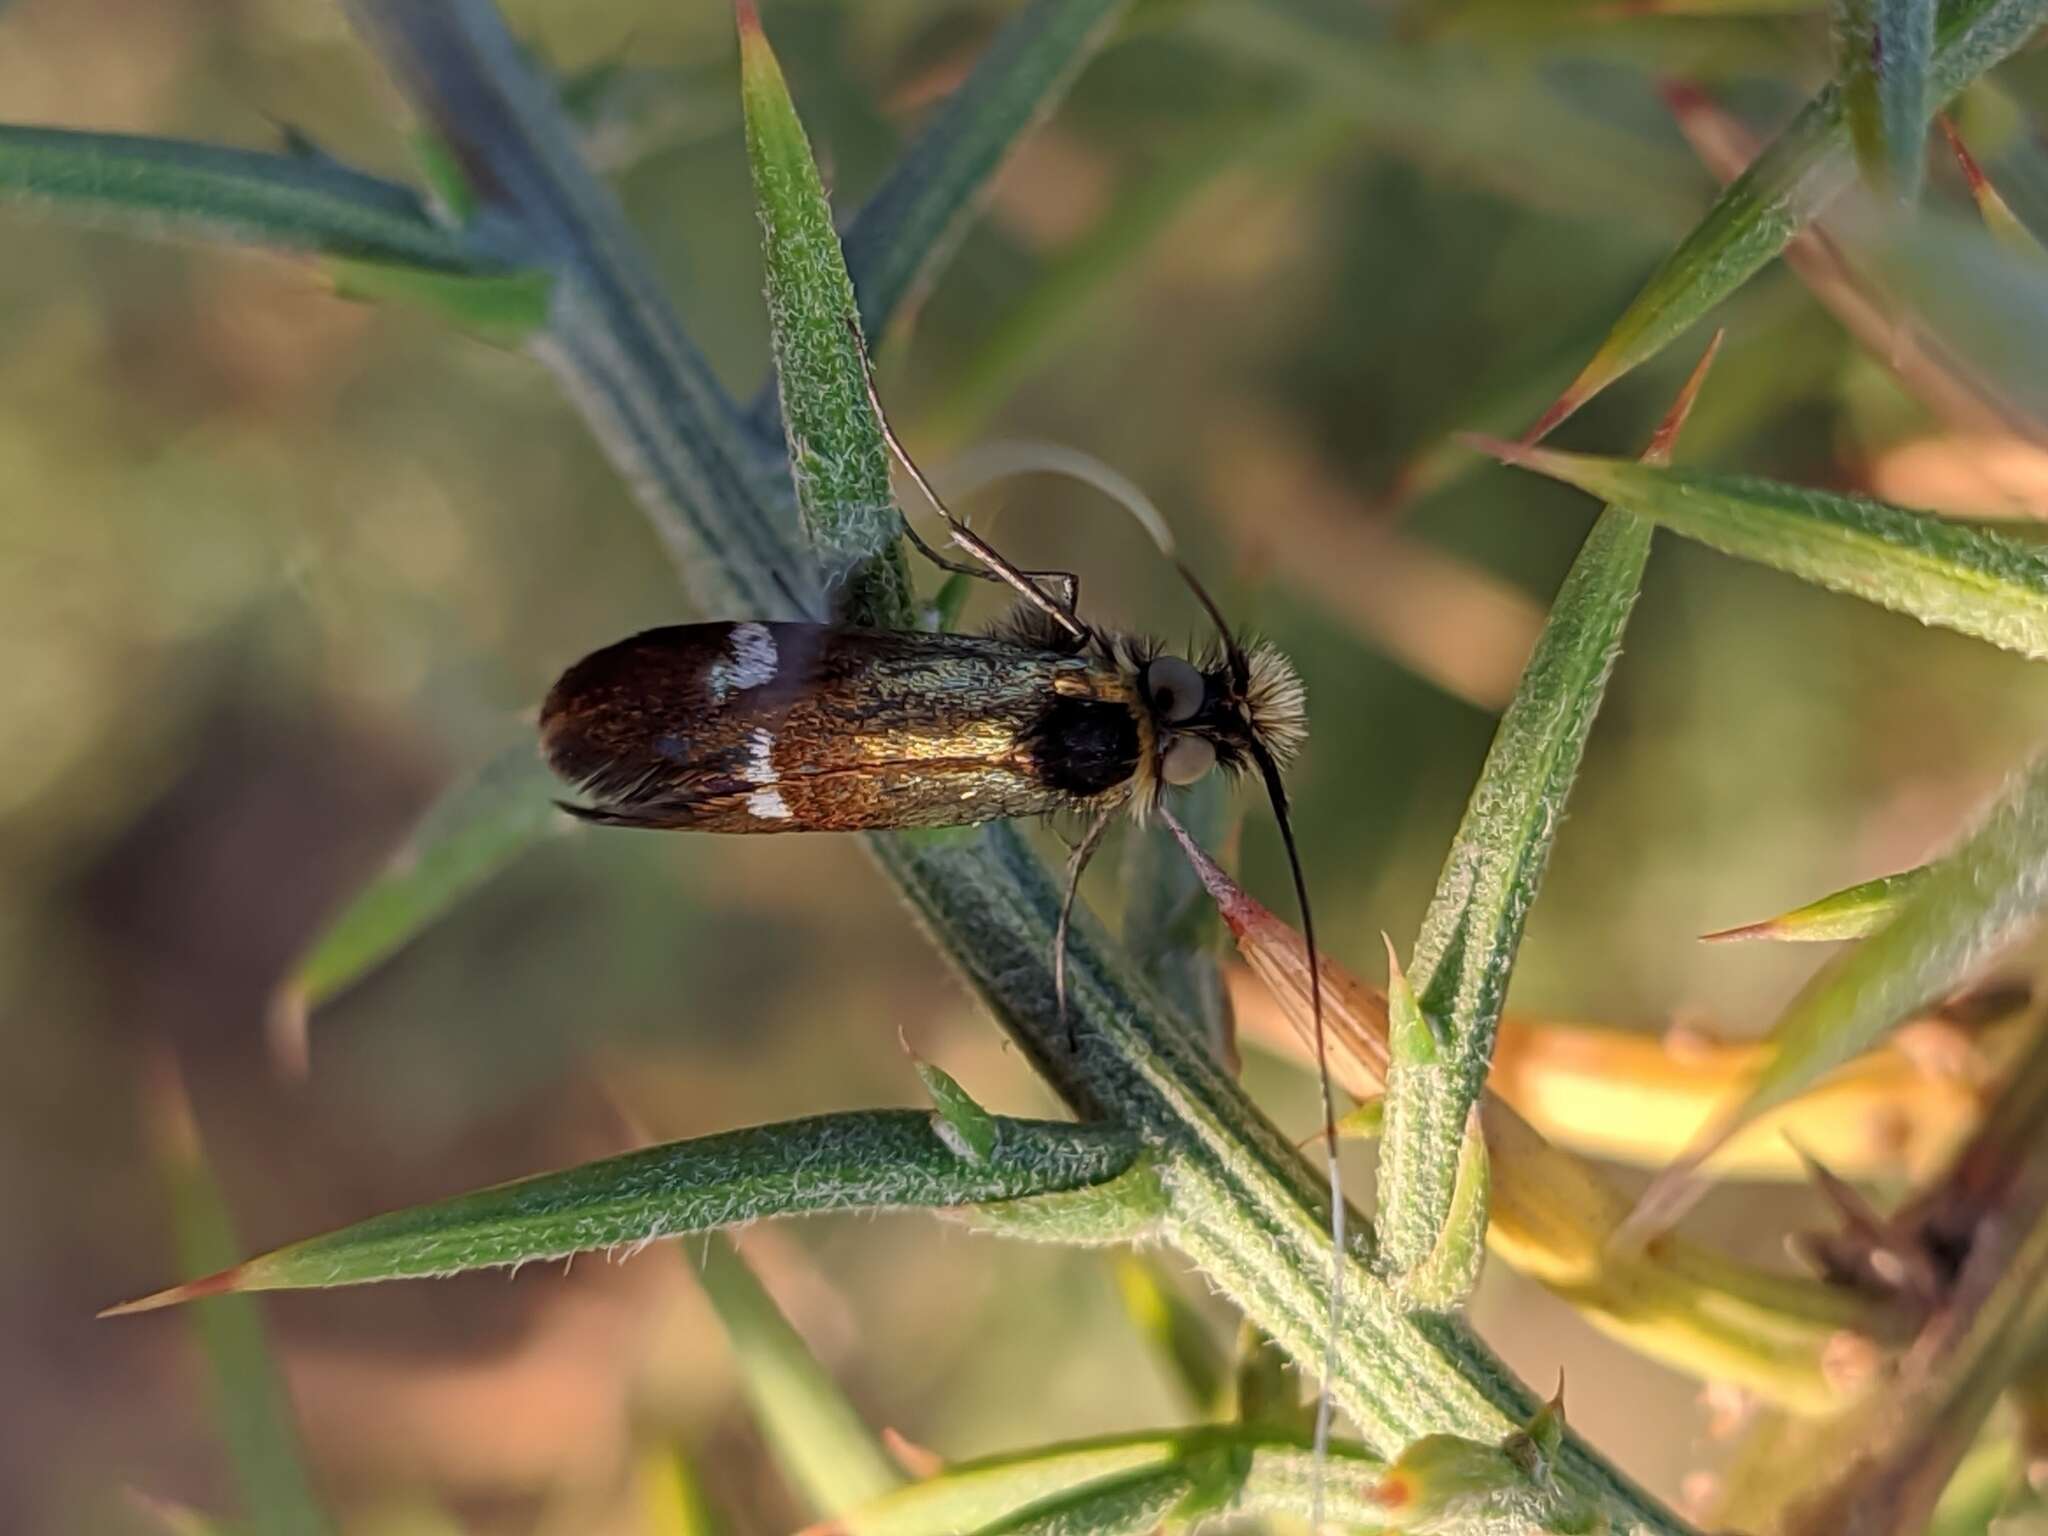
(995, 567)
(979, 573)
(1065, 584)
(1077, 861)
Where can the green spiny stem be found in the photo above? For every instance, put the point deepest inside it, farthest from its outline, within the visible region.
(1241, 1203)
(1244, 1206)
(614, 340)
(288, 202)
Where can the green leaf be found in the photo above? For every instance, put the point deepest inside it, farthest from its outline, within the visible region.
(1474, 923)
(907, 228)
(505, 309)
(1883, 49)
(1905, 34)
(1123, 1210)
(1411, 1036)
(1262, 1473)
(254, 1408)
(1757, 213)
(914, 217)
(962, 1124)
(1447, 1276)
(474, 829)
(869, 1160)
(1854, 912)
(836, 452)
(1287, 1479)
(816, 1434)
(1452, 1483)
(1958, 914)
(160, 187)
(1962, 578)
(1432, 1198)
(1545, 1431)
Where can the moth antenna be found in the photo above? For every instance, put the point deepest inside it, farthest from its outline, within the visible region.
(999, 461)
(1276, 793)
(998, 568)
(1240, 664)
(1077, 862)
(991, 462)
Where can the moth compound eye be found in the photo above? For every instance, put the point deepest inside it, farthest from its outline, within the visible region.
(1187, 758)
(1176, 690)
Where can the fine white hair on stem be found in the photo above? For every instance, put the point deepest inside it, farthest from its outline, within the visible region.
(1006, 459)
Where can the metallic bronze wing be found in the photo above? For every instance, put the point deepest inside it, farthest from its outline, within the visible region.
(773, 727)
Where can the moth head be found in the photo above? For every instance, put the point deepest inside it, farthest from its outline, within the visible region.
(1234, 707)
(1253, 715)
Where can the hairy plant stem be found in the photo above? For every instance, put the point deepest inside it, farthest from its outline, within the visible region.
(1241, 1203)
(1243, 1206)
(612, 339)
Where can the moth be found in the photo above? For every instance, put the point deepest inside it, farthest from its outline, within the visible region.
(759, 726)
(790, 727)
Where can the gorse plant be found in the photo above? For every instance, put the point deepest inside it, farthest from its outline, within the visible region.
(1892, 1357)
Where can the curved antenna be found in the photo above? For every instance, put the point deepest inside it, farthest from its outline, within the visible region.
(1276, 793)
(1233, 653)
(1029, 456)
(1005, 459)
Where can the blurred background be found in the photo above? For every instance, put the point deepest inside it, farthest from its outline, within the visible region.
(276, 568)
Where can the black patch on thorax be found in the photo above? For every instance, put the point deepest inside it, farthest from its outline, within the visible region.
(1082, 746)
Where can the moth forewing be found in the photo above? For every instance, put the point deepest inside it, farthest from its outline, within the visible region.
(759, 727)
